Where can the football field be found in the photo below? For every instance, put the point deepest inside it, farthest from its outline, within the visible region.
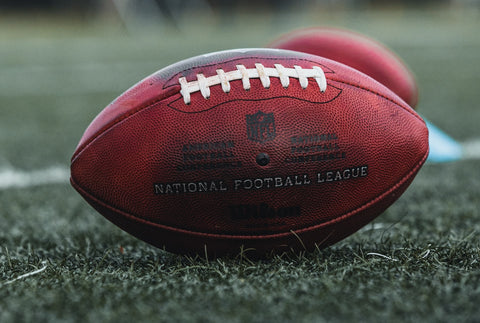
(62, 261)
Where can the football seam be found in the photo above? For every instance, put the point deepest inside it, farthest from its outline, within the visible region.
(128, 114)
(170, 104)
(412, 172)
(409, 109)
(233, 236)
(117, 121)
(170, 93)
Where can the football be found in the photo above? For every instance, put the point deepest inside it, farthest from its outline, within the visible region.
(249, 150)
(358, 51)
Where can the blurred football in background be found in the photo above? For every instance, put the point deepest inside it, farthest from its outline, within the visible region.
(358, 51)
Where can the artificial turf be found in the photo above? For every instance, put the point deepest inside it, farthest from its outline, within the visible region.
(419, 261)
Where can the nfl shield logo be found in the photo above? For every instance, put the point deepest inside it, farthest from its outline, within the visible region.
(260, 126)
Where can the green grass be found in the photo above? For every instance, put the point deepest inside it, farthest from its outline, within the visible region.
(55, 79)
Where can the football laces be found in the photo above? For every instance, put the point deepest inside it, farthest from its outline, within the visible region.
(202, 84)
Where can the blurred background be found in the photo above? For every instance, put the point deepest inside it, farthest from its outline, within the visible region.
(172, 10)
(62, 61)
(132, 15)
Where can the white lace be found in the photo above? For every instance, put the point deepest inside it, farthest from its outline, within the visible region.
(223, 78)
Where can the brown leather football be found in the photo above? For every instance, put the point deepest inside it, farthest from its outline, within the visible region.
(255, 149)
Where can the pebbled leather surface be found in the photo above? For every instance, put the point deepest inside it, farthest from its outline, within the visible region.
(185, 176)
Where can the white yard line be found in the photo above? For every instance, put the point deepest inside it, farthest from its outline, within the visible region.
(471, 149)
(10, 178)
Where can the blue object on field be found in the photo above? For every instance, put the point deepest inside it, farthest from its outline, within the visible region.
(443, 148)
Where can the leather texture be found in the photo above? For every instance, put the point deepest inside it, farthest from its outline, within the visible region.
(187, 177)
